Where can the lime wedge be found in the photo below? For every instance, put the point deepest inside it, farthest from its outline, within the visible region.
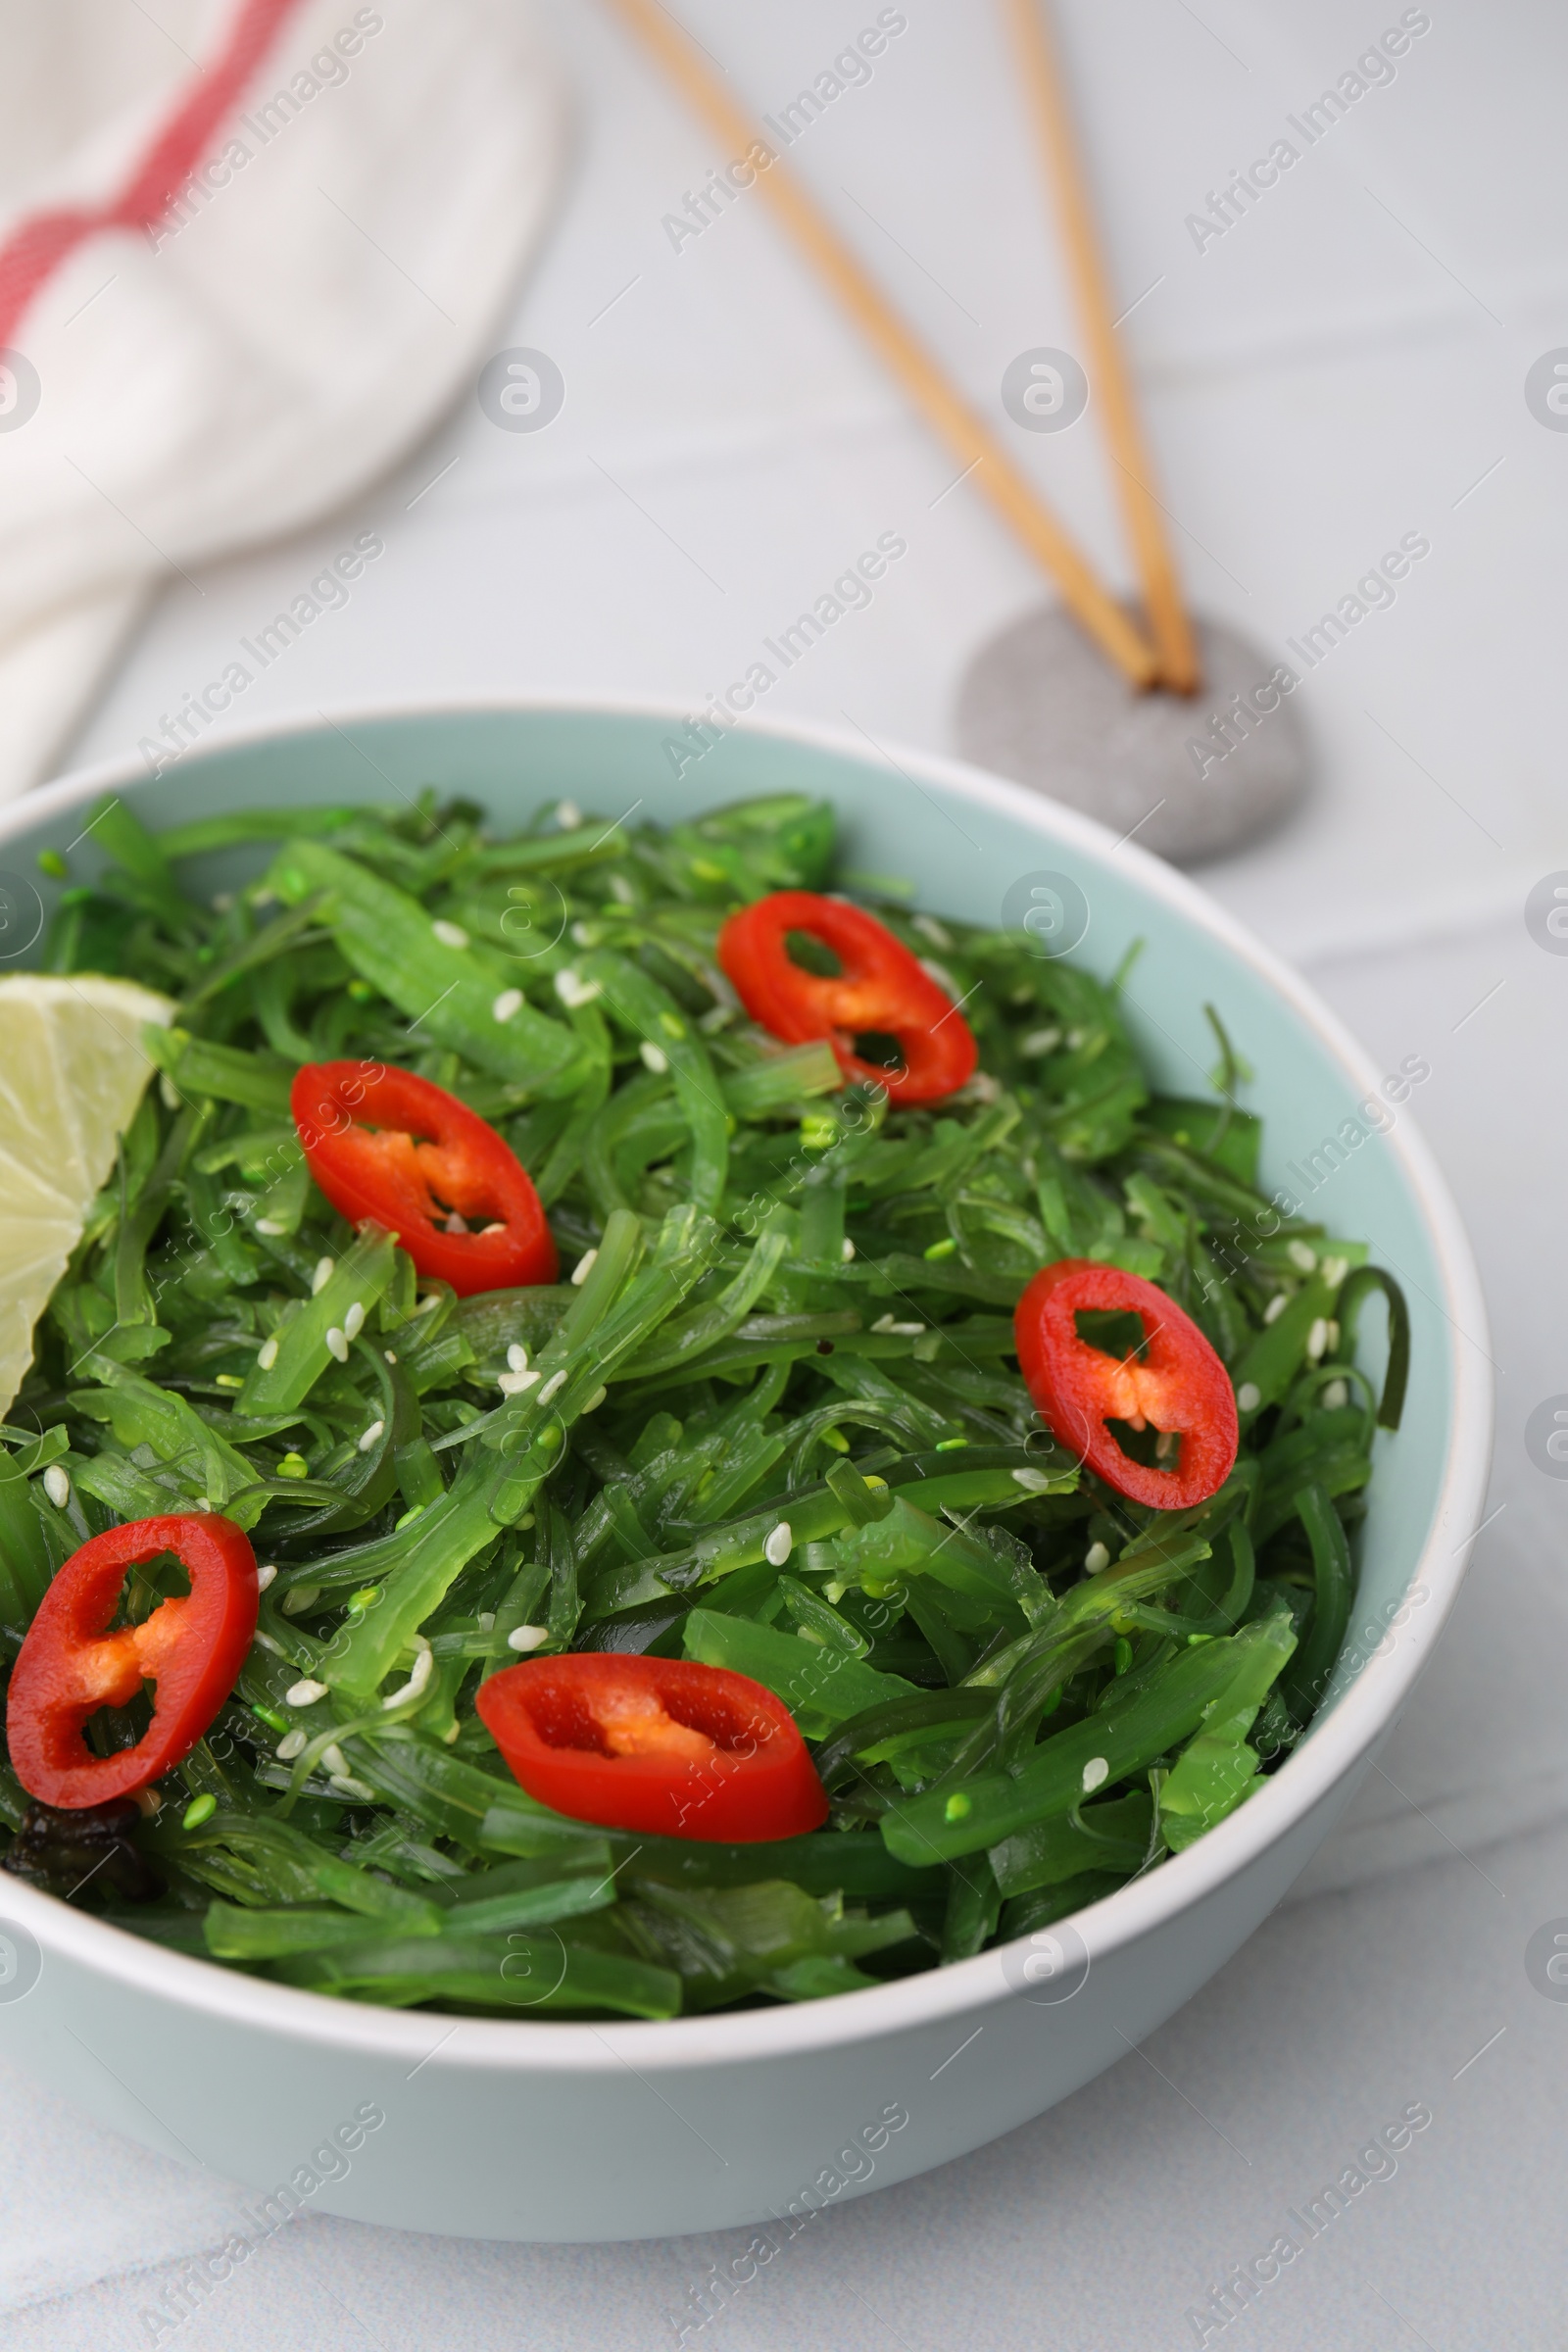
(71, 1073)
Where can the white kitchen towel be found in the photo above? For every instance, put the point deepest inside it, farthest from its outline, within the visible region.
(248, 255)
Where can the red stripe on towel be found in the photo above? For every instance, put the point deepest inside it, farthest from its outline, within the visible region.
(38, 246)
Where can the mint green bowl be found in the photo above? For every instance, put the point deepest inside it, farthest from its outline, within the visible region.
(535, 2130)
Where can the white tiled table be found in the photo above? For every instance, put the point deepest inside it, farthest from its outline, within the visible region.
(1345, 364)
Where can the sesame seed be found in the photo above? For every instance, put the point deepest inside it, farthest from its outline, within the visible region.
(450, 935)
(271, 1225)
(592, 1403)
(569, 816)
(1248, 1397)
(583, 1268)
(527, 1636)
(325, 1268)
(776, 1551)
(353, 1321)
(304, 1693)
(267, 1356)
(1302, 1254)
(1335, 1395)
(941, 976)
(1333, 1270)
(653, 1058)
(553, 1386)
(372, 1436)
(515, 1383)
(516, 1358)
(347, 1785)
(336, 1762)
(424, 1668)
(1095, 1774)
(929, 928)
(291, 1744)
(389, 1356)
(1317, 1339)
(337, 1345)
(847, 1252)
(57, 1485)
(507, 1004)
(1041, 1041)
(575, 990)
(265, 1576)
(1276, 1306)
(1095, 1558)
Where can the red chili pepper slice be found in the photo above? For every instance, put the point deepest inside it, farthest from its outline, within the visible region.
(659, 1744)
(70, 1665)
(387, 1146)
(1177, 1384)
(880, 989)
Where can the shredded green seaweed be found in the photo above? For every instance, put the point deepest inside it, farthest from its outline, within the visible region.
(780, 1426)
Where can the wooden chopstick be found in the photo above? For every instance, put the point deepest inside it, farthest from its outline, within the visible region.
(980, 454)
(1174, 641)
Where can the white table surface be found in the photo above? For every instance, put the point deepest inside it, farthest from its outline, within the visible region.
(1344, 366)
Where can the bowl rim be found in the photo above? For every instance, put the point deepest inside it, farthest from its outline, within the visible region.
(1336, 1745)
